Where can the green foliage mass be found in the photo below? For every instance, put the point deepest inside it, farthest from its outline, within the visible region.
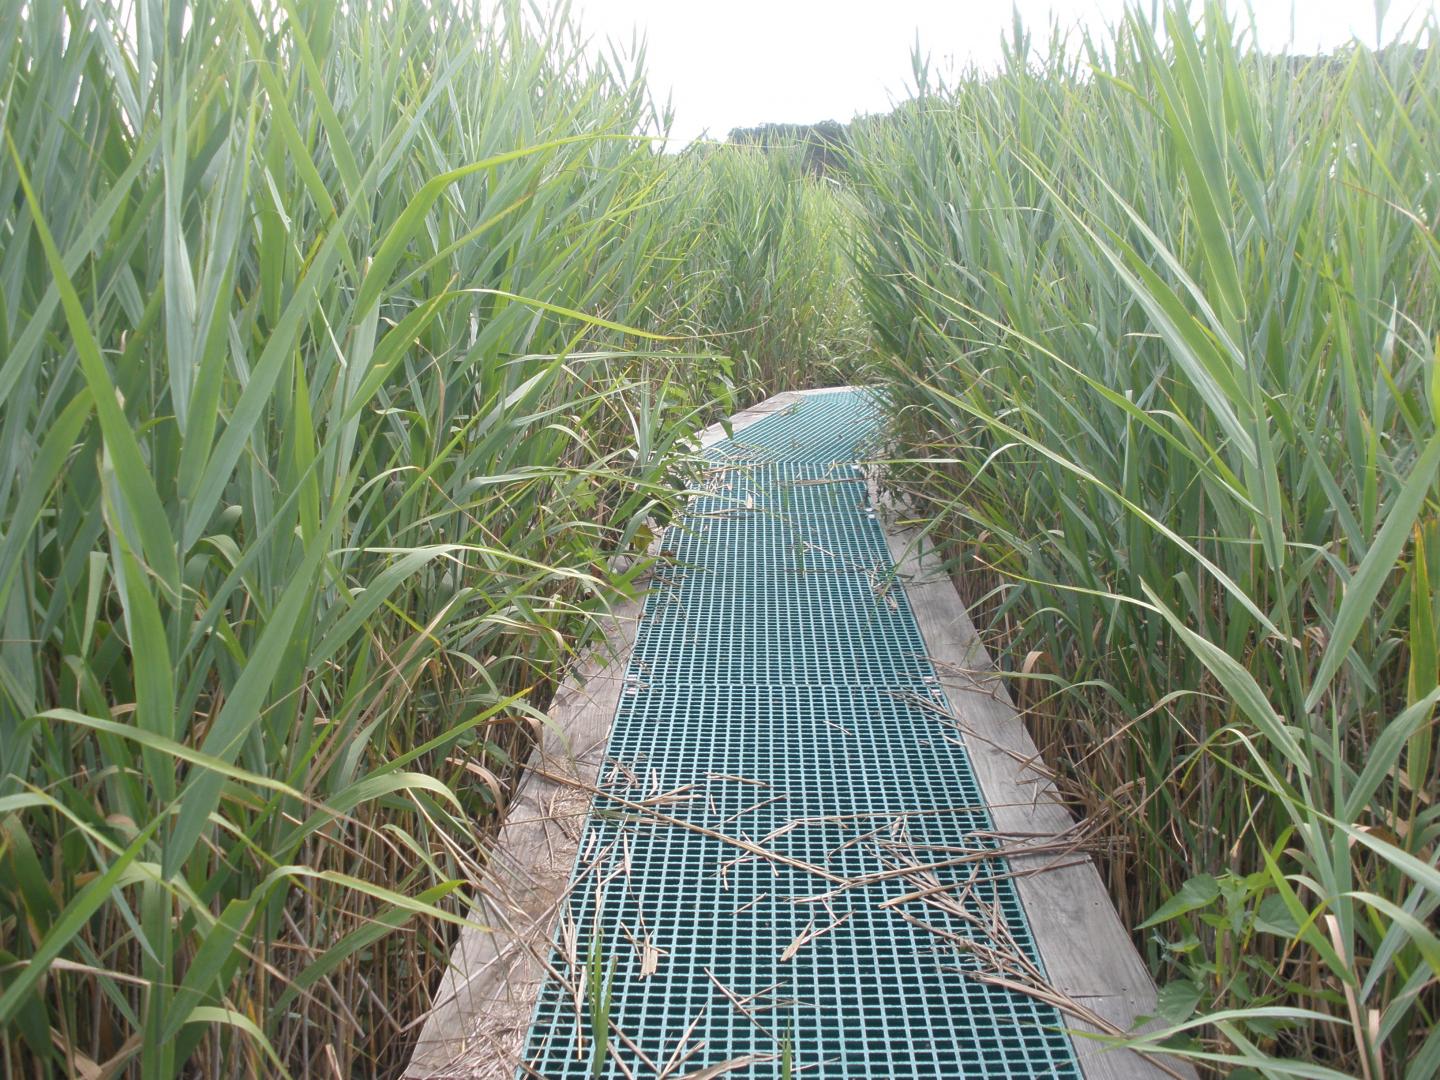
(1157, 317)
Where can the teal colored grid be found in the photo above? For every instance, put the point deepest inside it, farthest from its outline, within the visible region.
(779, 694)
(834, 426)
(874, 997)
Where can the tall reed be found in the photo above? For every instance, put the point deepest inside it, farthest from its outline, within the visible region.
(1160, 314)
(768, 281)
(312, 472)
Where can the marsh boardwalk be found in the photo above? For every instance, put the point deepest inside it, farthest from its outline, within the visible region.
(790, 859)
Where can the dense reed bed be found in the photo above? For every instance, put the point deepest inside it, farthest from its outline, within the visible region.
(769, 270)
(327, 400)
(1159, 322)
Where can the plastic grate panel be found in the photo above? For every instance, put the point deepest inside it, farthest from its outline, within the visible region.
(839, 426)
(851, 628)
(773, 543)
(793, 489)
(854, 783)
(779, 695)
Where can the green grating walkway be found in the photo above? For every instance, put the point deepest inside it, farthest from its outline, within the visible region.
(781, 715)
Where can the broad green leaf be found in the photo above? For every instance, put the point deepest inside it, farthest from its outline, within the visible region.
(1200, 891)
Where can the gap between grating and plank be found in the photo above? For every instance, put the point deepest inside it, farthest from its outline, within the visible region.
(784, 775)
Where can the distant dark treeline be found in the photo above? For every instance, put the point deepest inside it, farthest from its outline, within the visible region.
(825, 143)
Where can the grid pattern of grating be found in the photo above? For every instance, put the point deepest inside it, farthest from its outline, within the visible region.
(774, 543)
(839, 426)
(782, 762)
(793, 489)
(779, 629)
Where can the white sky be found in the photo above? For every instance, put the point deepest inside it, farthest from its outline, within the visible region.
(737, 63)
